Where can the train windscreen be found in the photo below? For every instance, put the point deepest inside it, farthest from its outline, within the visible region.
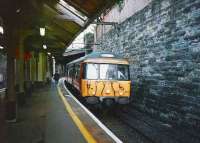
(92, 71)
(107, 71)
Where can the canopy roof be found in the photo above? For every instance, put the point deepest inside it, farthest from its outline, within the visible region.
(63, 20)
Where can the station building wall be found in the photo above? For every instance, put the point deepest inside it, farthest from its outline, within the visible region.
(162, 43)
(119, 13)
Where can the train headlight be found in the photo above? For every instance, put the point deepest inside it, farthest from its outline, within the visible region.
(121, 93)
(108, 91)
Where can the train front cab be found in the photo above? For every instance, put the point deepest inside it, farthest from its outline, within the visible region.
(105, 82)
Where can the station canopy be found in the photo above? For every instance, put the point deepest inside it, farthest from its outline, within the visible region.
(63, 20)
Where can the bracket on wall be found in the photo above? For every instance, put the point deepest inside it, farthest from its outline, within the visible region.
(102, 23)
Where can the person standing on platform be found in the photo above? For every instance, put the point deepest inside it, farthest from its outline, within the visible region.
(56, 77)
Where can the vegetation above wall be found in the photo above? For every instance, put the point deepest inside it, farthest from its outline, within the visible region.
(120, 3)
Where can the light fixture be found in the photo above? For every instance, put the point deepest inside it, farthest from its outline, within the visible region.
(18, 10)
(45, 47)
(42, 31)
(49, 53)
(53, 57)
(1, 30)
(107, 55)
(1, 48)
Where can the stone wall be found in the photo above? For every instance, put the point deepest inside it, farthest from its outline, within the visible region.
(162, 43)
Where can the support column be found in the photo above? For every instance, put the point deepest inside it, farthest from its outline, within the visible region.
(21, 64)
(33, 68)
(20, 70)
(51, 66)
(42, 65)
(11, 36)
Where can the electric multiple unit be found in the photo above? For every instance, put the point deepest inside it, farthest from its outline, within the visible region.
(100, 77)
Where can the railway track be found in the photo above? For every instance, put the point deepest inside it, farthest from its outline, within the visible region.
(132, 126)
(121, 128)
(111, 119)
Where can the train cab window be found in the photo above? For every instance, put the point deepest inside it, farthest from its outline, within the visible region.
(122, 72)
(108, 71)
(91, 71)
(114, 72)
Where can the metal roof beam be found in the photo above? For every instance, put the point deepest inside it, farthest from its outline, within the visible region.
(62, 28)
(66, 6)
(76, 6)
(66, 14)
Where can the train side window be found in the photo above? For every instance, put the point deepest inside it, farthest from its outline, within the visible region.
(68, 72)
(84, 71)
(71, 71)
(78, 71)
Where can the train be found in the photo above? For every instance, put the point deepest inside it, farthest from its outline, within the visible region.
(100, 77)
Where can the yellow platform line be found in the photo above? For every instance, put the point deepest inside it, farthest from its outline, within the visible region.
(89, 138)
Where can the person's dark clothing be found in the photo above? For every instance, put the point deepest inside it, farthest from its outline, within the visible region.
(56, 76)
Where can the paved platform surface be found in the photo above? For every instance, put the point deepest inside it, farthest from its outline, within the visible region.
(91, 127)
(43, 119)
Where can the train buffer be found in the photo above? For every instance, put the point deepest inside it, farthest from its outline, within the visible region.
(53, 115)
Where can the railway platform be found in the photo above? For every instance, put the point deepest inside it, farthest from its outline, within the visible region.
(51, 115)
